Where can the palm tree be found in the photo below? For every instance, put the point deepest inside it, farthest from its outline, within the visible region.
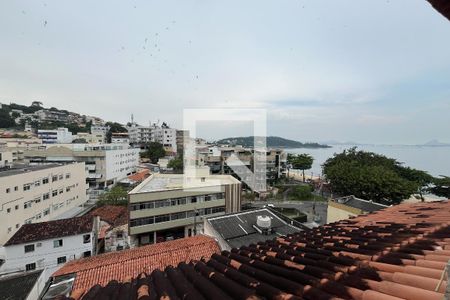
(301, 162)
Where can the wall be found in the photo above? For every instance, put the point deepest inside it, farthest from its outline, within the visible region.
(46, 255)
(6, 158)
(13, 213)
(337, 211)
(120, 163)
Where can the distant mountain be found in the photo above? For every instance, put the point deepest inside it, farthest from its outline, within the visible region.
(435, 143)
(271, 141)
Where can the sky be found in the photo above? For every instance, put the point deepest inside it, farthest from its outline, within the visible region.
(335, 70)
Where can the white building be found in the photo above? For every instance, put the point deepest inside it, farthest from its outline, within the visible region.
(49, 245)
(106, 164)
(165, 136)
(39, 193)
(139, 134)
(99, 131)
(120, 138)
(56, 136)
(6, 158)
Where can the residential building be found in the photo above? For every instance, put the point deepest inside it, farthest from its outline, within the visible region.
(120, 138)
(47, 115)
(400, 252)
(182, 136)
(350, 206)
(126, 264)
(166, 206)
(39, 193)
(56, 136)
(165, 136)
(106, 164)
(113, 232)
(22, 285)
(139, 135)
(99, 132)
(6, 158)
(247, 227)
(49, 245)
(89, 138)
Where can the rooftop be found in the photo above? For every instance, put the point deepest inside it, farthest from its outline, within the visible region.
(238, 229)
(111, 214)
(126, 264)
(361, 204)
(29, 233)
(399, 252)
(26, 168)
(164, 182)
(18, 286)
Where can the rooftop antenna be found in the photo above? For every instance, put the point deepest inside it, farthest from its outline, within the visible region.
(132, 119)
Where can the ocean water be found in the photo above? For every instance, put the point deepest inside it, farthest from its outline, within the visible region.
(434, 160)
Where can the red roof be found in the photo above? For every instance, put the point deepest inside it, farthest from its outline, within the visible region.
(126, 264)
(396, 253)
(140, 176)
(29, 233)
(113, 215)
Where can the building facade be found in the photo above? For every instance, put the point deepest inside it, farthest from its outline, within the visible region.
(165, 207)
(39, 193)
(165, 136)
(139, 134)
(346, 207)
(6, 158)
(106, 164)
(56, 136)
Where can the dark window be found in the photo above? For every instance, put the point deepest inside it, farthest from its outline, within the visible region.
(30, 267)
(8, 210)
(87, 254)
(29, 248)
(61, 260)
(119, 235)
(45, 181)
(86, 238)
(193, 199)
(8, 190)
(57, 243)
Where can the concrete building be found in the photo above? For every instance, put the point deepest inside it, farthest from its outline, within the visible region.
(49, 245)
(46, 115)
(139, 134)
(90, 138)
(165, 136)
(163, 208)
(120, 138)
(106, 164)
(99, 132)
(56, 136)
(39, 193)
(350, 206)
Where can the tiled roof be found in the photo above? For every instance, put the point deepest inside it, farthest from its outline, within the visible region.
(140, 176)
(396, 253)
(18, 287)
(111, 214)
(29, 233)
(124, 265)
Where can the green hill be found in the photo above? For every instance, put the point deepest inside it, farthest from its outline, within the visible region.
(271, 141)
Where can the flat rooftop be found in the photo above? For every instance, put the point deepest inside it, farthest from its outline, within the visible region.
(166, 182)
(25, 168)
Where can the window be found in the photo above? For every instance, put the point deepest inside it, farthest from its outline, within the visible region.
(54, 178)
(9, 229)
(87, 254)
(37, 183)
(27, 204)
(57, 243)
(61, 176)
(29, 267)
(8, 210)
(119, 235)
(26, 187)
(47, 212)
(17, 225)
(46, 196)
(8, 190)
(55, 193)
(61, 260)
(67, 175)
(28, 221)
(68, 189)
(29, 248)
(61, 191)
(16, 188)
(16, 207)
(45, 181)
(193, 199)
(86, 238)
(38, 216)
(37, 199)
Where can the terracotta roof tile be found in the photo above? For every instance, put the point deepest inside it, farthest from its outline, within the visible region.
(140, 176)
(397, 253)
(52, 229)
(113, 215)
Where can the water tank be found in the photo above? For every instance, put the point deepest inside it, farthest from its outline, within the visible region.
(263, 222)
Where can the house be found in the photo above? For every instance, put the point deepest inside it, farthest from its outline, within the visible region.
(22, 286)
(98, 270)
(30, 194)
(171, 206)
(400, 252)
(48, 245)
(113, 233)
(350, 206)
(120, 138)
(242, 228)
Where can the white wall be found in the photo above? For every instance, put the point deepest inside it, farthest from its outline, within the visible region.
(46, 255)
(120, 163)
(6, 158)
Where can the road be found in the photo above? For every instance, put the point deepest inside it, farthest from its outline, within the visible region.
(305, 207)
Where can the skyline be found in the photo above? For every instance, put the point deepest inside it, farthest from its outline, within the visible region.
(322, 76)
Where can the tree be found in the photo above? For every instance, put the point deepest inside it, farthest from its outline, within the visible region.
(441, 187)
(5, 119)
(114, 127)
(155, 151)
(116, 196)
(301, 162)
(372, 176)
(176, 164)
(422, 179)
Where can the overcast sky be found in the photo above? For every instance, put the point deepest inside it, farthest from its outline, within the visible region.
(366, 71)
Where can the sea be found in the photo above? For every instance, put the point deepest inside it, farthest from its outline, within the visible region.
(433, 159)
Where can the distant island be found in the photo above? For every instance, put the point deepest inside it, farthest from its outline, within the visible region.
(271, 141)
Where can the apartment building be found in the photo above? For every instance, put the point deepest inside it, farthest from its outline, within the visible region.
(120, 138)
(57, 136)
(6, 158)
(90, 138)
(49, 245)
(17, 146)
(139, 134)
(106, 164)
(166, 206)
(39, 193)
(165, 136)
